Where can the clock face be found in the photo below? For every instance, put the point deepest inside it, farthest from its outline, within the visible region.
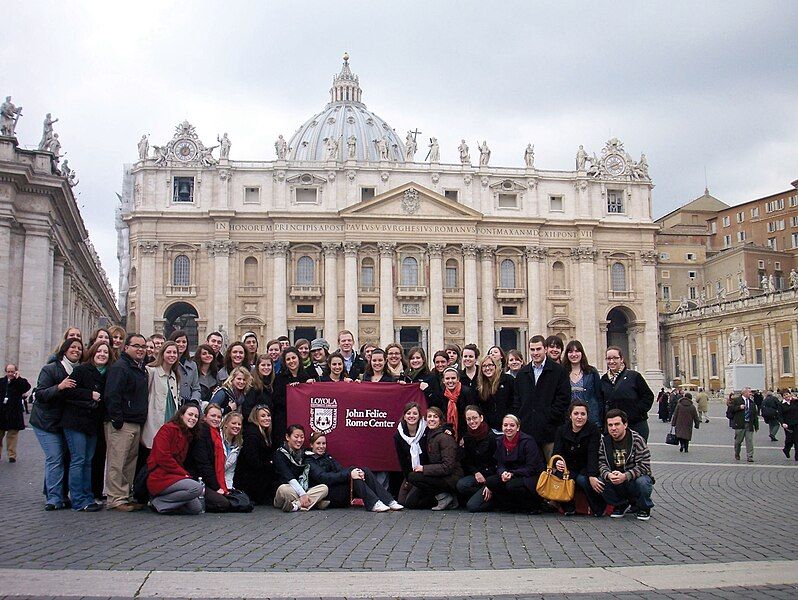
(615, 164)
(185, 150)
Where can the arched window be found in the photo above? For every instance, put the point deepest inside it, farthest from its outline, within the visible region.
(367, 272)
(251, 271)
(181, 274)
(618, 277)
(451, 273)
(558, 275)
(409, 271)
(507, 274)
(131, 278)
(305, 271)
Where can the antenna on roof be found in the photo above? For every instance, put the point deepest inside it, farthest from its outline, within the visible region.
(706, 184)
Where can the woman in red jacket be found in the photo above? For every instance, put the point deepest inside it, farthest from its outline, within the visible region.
(172, 489)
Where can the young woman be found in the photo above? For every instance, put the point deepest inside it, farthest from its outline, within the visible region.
(457, 396)
(254, 471)
(187, 369)
(515, 360)
(82, 419)
(453, 354)
(206, 460)
(303, 348)
(410, 441)
(164, 395)
(250, 341)
(274, 351)
(292, 472)
(207, 372)
(577, 441)
(99, 335)
(396, 365)
(497, 354)
(494, 391)
(479, 457)
(118, 336)
(684, 419)
(232, 394)
(172, 489)
(440, 362)
(46, 414)
(585, 381)
(292, 373)
(468, 375)
(626, 390)
(366, 350)
(375, 368)
(336, 371)
(98, 461)
(236, 356)
(325, 469)
(262, 390)
(439, 475)
(232, 424)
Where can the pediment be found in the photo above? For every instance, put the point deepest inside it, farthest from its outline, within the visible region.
(411, 201)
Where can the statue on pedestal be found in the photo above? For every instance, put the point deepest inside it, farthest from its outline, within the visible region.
(281, 147)
(351, 146)
(529, 156)
(47, 132)
(330, 148)
(772, 283)
(737, 341)
(410, 146)
(434, 153)
(9, 116)
(382, 148)
(684, 306)
(581, 158)
(744, 291)
(465, 157)
(144, 147)
(224, 146)
(484, 154)
(793, 279)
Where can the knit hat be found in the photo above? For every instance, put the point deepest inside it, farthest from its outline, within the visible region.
(318, 344)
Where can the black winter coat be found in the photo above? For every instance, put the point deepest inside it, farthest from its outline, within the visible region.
(49, 400)
(11, 394)
(285, 470)
(254, 467)
(403, 450)
(201, 459)
(126, 392)
(579, 450)
(467, 396)
(630, 393)
(81, 412)
(255, 397)
(542, 407)
(325, 469)
(499, 404)
(524, 461)
(788, 414)
(479, 456)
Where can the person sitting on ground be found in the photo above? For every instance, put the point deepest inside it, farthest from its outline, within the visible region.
(232, 440)
(625, 468)
(577, 441)
(172, 489)
(206, 460)
(438, 476)
(340, 481)
(254, 469)
(410, 441)
(292, 473)
(479, 457)
(685, 417)
(232, 394)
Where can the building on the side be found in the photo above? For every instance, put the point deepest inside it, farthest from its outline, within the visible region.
(349, 228)
(50, 275)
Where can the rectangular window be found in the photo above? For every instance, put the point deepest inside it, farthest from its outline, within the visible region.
(741, 236)
(780, 202)
(304, 309)
(771, 226)
(690, 256)
(740, 217)
(183, 189)
(693, 365)
(713, 227)
(777, 265)
(793, 221)
(251, 195)
(615, 202)
(508, 200)
(786, 360)
(772, 244)
(450, 194)
(451, 277)
(555, 204)
(666, 274)
(794, 238)
(692, 292)
(758, 356)
(368, 309)
(793, 201)
(452, 309)
(713, 364)
(664, 256)
(755, 212)
(666, 292)
(306, 195)
(760, 264)
(726, 241)
(509, 311)
(780, 225)
(726, 221)
(691, 274)
(367, 193)
(769, 207)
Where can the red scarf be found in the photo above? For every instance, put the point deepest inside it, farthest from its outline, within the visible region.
(510, 445)
(479, 433)
(451, 407)
(219, 457)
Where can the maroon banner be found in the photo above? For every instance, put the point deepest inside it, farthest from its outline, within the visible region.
(359, 419)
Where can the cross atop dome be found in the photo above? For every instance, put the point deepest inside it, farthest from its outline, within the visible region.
(346, 85)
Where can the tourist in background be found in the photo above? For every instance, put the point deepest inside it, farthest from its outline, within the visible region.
(743, 415)
(703, 405)
(685, 417)
(770, 414)
(662, 406)
(585, 381)
(12, 396)
(789, 422)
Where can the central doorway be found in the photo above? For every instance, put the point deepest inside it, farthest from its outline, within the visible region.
(409, 337)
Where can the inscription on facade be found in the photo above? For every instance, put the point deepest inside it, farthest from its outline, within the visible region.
(260, 227)
(411, 308)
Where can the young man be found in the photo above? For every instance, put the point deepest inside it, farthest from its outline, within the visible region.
(743, 415)
(625, 468)
(554, 348)
(626, 390)
(215, 341)
(126, 400)
(284, 342)
(274, 349)
(354, 365)
(12, 389)
(542, 395)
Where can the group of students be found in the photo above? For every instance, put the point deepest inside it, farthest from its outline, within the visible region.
(209, 431)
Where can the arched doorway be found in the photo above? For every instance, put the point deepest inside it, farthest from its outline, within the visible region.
(181, 315)
(618, 320)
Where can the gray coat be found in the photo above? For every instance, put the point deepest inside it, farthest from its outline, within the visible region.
(189, 388)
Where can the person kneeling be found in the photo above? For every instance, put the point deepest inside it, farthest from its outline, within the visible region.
(293, 475)
(172, 489)
(343, 483)
(625, 467)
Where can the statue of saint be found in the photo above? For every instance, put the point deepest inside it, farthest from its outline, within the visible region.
(763, 283)
(737, 346)
(581, 158)
(144, 147)
(224, 146)
(793, 279)
(55, 146)
(744, 292)
(465, 157)
(434, 153)
(281, 147)
(772, 283)
(642, 167)
(331, 148)
(65, 169)
(529, 156)
(47, 132)
(9, 115)
(206, 156)
(351, 146)
(382, 148)
(410, 147)
(484, 154)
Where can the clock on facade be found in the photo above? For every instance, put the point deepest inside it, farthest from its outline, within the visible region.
(615, 164)
(185, 150)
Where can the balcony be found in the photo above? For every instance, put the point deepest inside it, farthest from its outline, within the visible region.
(559, 294)
(250, 290)
(411, 291)
(452, 291)
(305, 292)
(627, 295)
(181, 291)
(510, 294)
(367, 289)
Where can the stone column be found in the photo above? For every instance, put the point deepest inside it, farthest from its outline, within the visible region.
(794, 350)
(648, 286)
(386, 292)
(5, 252)
(534, 289)
(703, 369)
(331, 290)
(48, 297)
(586, 311)
(280, 252)
(435, 252)
(36, 270)
(351, 277)
(220, 252)
(749, 348)
(471, 333)
(146, 285)
(488, 302)
(57, 326)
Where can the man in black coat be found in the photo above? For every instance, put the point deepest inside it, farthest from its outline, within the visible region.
(542, 395)
(12, 389)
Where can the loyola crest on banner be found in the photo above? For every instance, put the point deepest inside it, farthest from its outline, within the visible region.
(323, 415)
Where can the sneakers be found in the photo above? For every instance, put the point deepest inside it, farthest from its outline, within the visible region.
(12, 460)
(444, 501)
(643, 514)
(50, 507)
(750, 459)
(291, 506)
(91, 508)
(394, 505)
(123, 508)
(380, 507)
(786, 452)
(620, 511)
(323, 504)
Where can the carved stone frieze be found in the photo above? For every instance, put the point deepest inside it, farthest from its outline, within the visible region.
(351, 248)
(536, 252)
(386, 248)
(470, 250)
(435, 250)
(583, 253)
(148, 247)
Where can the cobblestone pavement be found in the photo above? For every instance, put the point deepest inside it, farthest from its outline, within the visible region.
(709, 508)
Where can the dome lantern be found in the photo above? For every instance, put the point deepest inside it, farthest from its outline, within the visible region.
(346, 85)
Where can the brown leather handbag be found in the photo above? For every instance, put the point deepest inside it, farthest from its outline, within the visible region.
(553, 488)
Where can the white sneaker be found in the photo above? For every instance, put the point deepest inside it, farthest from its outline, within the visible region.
(379, 506)
(394, 505)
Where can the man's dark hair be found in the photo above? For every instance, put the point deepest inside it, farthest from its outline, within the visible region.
(616, 412)
(554, 340)
(130, 337)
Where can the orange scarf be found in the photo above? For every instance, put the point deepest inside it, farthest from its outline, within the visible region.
(451, 407)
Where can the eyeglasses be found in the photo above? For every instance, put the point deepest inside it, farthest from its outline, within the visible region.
(138, 346)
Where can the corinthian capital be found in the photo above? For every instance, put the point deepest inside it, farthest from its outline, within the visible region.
(435, 250)
(536, 252)
(331, 248)
(280, 249)
(351, 248)
(470, 250)
(148, 246)
(386, 248)
(488, 252)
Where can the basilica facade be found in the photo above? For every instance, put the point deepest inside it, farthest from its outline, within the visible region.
(347, 228)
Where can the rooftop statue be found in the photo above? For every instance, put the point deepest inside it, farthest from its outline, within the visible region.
(224, 146)
(465, 157)
(793, 279)
(47, 132)
(581, 158)
(410, 146)
(9, 116)
(434, 153)
(144, 147)
(281, 147)
(484, 154)
(529, 156)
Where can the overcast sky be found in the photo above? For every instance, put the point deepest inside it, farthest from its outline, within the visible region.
(697, 86)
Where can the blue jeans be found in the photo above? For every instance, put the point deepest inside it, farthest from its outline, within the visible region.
(53, 446)
(636, 492)
(81, 450)
(469, 488)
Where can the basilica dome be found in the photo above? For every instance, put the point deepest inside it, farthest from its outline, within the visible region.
(345, 120)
